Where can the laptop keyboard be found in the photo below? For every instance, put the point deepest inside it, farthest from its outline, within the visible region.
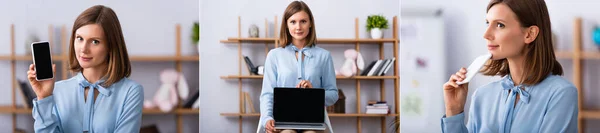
(300, 125)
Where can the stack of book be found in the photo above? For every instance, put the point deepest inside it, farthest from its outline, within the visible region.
(377, 107)
(378, 67)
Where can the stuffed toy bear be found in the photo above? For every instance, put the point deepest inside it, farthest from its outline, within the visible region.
(173, 87)
(353, 60)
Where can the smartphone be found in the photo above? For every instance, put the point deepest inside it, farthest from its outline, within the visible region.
(475, 67)
(42, 59)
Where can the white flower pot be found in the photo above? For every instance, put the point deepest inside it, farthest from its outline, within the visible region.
(376, 33)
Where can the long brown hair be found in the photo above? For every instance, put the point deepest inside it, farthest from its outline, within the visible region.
(284, 34)
(540, 60)
(119, 66)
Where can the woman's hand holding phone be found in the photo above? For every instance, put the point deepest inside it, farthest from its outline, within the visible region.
(455, 95)
(42, 88)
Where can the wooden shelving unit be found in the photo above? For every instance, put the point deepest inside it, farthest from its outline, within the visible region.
(62, 59)
(239, 40)
(329, 114)
(337, 77)
(577, 55)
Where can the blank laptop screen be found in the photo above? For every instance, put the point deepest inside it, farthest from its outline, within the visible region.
(299, 105)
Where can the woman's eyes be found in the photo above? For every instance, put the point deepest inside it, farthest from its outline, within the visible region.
(93, 41)
(301, 21)
(500, 25)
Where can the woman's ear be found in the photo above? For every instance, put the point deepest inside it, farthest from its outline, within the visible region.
(531, 33)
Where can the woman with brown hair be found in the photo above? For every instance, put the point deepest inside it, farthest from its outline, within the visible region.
(298, 63)
(100, 97)
(531, 97)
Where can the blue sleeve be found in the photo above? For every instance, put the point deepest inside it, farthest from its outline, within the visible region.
(266, 95)
(561, 115)
(130, 118)
(454, 124)
(329, 82)
(46, 116)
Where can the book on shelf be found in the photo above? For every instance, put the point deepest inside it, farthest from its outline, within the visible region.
(374, 68)
(392, 62)
(378, 67)
(377, 107)
(389, 64)
(149, 129)
(253, 70)
(26, 92)
(366, 70)
(247, 103)
(191, 100)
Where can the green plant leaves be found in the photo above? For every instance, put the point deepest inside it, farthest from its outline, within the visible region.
(376, 21)
(196, 33)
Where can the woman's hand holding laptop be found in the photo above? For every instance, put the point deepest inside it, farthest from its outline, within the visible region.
(270, 126)
(304, 84)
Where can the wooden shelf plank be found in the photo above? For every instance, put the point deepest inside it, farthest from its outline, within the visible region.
(337, 77)
(28, 57)
(164, 58)
(242, 77)
(591, 55)
(584, 55)
(590, 114)
(354, 41)
(563, 54)
(256, 40)
(132, 58)
(174, 111)
(330, 115)
(319, 40)
(7, 109)
(188, 111)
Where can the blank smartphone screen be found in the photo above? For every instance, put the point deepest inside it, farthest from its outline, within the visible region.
(42, 60)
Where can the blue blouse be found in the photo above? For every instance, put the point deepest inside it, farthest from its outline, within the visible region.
(117, 109)
(547, 107)
(282, 69)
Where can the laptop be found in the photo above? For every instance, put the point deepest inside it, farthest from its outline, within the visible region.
(299, 108)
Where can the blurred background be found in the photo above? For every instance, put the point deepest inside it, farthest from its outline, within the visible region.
(226, 25)
(460, 24)
(158, 35)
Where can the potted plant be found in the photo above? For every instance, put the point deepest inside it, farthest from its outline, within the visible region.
(196, 35)
(375, 24)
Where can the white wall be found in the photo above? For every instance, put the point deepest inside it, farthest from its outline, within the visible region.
(333, 18)
(465, 25)
(148, 27)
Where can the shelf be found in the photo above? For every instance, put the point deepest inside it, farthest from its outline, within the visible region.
(28, 57)
(330, 115)
(353, 41)
(174, 111)
(164, 58)
(584, 55)
(319, 40)
(22, 110)
(242, 77)
(255, 40)
(337, 77)
(590, 114)
(132, 58)
(7, 109)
